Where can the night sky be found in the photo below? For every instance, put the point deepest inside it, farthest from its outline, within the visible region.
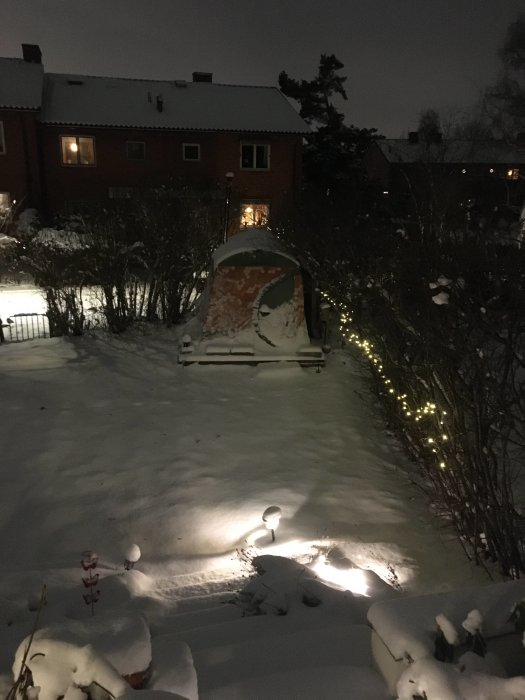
(400, 56)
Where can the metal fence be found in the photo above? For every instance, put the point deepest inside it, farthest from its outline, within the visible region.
(20, 327)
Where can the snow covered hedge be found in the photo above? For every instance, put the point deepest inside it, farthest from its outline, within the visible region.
(145, 256)
(444, 311)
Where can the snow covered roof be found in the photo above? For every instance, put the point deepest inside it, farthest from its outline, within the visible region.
(203, 106)
(251, 240)
(451, 151)
(20, 84)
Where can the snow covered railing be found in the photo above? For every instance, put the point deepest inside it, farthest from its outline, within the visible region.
(404, 629)
(20, 327)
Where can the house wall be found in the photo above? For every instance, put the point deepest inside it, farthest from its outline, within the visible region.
(19, 165)
(376, 165)
(219, 154)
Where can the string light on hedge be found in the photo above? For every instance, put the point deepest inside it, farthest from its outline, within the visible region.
(428, 410)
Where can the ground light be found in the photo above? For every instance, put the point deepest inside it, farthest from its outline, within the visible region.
(271, 517)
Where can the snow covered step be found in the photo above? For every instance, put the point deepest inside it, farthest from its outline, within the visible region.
(333, 682)
(198, 602)
(220, 664)
(200, 582)
(230, 627)
(197, 618)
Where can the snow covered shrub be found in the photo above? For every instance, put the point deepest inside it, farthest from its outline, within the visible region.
(61, 669)
(8, 257)
(56, 260)
(13, 237)
(146, 257)
(451, 376)
(150, 253)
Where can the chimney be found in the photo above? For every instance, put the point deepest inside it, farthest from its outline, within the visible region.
(199, 77)
(160, 103)
(413, 137)
(31, 53)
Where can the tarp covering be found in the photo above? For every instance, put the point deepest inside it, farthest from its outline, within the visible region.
(256, 288)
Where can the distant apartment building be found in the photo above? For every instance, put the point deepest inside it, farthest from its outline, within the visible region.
(70, 140)
(460, 175)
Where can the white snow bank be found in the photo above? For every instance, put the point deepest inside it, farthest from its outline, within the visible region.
(440, 681)
(407, 625)
(332, 682)
(151, 695)
(248, 241)
(123, 640)
(56, 666)
(173, 668)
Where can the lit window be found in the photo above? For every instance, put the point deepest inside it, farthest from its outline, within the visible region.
(78, 150)
(513, 174)
(491, 171)
(191, 151)
(2, 139)
(254, 214)
(5, 202)
(135, 150)
(464, 171)
(255, 156)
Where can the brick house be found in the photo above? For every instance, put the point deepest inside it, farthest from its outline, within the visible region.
(455, 175)
(103, 138)
(21, 82)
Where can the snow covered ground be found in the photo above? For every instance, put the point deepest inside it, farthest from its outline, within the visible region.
(106, 442)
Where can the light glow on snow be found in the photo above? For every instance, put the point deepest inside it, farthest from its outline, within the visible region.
(353, 580)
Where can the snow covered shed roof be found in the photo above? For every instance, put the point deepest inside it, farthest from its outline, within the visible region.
(252, 241)
(163, 104)
(451, 151)
(20, 84)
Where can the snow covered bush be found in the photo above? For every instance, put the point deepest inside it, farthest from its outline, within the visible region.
(110, 654)
(451, 376)
(146, 258)
(58, 668)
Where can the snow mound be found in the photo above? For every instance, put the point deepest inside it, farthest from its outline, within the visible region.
(123, 640)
